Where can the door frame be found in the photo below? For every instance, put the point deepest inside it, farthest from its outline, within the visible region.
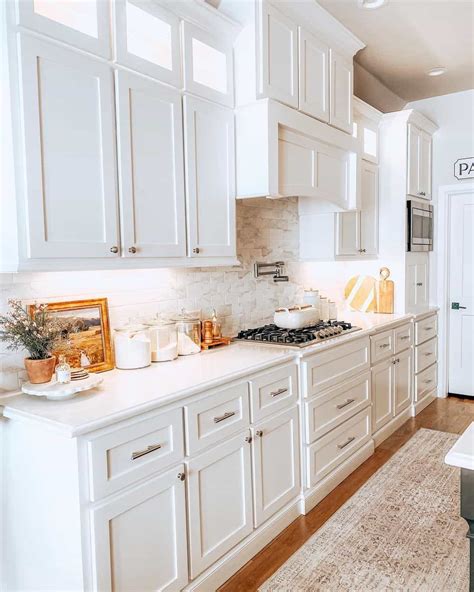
(446, 193)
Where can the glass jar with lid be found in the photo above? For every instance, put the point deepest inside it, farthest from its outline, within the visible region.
(332, 310)
(132, 346)
(164, 343)
(188, 329)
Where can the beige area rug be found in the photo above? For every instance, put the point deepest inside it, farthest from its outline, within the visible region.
(401, 532)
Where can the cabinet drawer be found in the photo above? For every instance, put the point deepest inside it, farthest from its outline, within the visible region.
(273, 391)
(335, 406)
(120, 457)
(426, 354)
(426, 329)
(403, 337)
(334, 366)
(216, 417)
(334, 448)
(426, 381)
(381, 346)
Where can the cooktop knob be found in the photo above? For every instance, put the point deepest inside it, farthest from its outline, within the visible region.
(322, 333)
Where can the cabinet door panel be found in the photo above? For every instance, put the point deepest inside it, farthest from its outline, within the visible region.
(341, 75)
(413, 175)
(382, 394)
(219, 501)
(275, 464)
(68, 116)
(417, 294)
(139, 538)
(313, 76)
(402, 380)
(425, 165)
(151, 167)
(277, 61)
(210, 178)
(369, 209)
(348, 233)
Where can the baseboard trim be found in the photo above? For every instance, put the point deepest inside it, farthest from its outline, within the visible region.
(228, 565)
(420, 405)
(392, 426)
(313, 496)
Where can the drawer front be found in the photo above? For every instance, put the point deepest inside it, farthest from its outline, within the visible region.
(329, 410)
(426, 354)
(426, 329)
(273, 391)
(403, 337)
(381, 346)
(426, 381)
(120, 457)
(216, 417)
(335, 447)
(334, 366)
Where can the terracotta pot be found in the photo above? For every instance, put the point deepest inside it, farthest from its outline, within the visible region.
(40, 371)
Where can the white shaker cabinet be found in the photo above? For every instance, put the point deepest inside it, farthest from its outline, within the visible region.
(382, 394)
(313, 76)
(139, 537)
(149, 118)
(67, 109)
(276, 464)
(210, 178)
(219, 501)
(417, 281)
(419, 162)
(341, 86)
(402, 381)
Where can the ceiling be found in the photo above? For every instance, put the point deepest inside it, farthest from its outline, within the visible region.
(406, 38)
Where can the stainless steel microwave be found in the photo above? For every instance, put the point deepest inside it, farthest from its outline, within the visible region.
(420, 226)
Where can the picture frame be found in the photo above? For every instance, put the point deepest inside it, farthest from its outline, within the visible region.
(89, 344)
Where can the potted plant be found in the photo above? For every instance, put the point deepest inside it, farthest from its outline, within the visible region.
(37, 333)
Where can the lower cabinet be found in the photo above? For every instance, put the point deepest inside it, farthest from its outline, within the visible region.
(139, 538)
(402, 381)
(219, 501)
(276, 464)
(417, 288)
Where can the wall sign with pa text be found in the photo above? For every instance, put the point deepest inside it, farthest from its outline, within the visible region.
(464, 168)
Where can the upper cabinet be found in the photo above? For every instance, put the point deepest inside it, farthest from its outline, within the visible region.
(366, 130)
(147, 40)
(85, 25)
(419, 162)
(313, 76)
(341, 84)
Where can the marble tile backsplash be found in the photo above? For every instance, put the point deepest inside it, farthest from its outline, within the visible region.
(267, 230)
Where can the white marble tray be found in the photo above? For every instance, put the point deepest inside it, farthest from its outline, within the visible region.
(59, 392)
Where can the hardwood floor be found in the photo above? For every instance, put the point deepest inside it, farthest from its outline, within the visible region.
(453, 414)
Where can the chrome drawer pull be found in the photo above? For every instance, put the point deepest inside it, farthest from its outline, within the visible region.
(147, 450)
(429, 354)
(278, 392)
(346, 443)
(384, 345)
(405, 337)
(345, 404)
(428, 381)
(226, 415)
(429, 328)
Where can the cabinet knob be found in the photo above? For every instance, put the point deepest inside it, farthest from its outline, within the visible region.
(114, 249)
(196, 250)
(419, 283)
(132, 250)
(248, 439)
(259, 433)
(181, 476)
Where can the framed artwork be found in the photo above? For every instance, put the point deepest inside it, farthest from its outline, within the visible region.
(87, 328)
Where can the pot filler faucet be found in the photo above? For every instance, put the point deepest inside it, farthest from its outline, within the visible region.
(275, 269)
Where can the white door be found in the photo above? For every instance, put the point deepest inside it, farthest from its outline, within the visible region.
(313, 76)
(417, 281)
(276, 464)
(341, 74)
(210, 178)
(277, 56)
(348, 234)
(69, 126)
(461, 294)
(147, 39)
(149, 118)
(139, 538)
(83, 24)
(369, 208)
(425, 165)
(219, 501)
(382, 394)
(413, 158)
(402, 380)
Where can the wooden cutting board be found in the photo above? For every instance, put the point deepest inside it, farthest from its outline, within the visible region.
(384, 292)
(360, 293)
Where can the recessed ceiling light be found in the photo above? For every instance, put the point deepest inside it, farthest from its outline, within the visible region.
(437, 71)
(371, 3)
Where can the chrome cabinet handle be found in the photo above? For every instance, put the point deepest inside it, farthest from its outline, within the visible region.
(259, 433)
(419, 283)
(181, 476)
(132, 250)
(114, 249)
(384, 345)
(428, 381)
(196, 250)
(429, 354)
(428, 328)
(226, 415)
(147, 450)
(396, 361)
(405, 337)
(346, 443)
(248, 439)
(345, 404)
(362, 250)
(278, 392)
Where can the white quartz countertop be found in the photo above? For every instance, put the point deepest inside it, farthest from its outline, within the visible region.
(462, 453)
(125, 393)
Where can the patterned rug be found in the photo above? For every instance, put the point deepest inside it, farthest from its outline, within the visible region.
(401, 532)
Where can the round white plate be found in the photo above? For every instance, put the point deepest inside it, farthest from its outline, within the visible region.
(55, 391)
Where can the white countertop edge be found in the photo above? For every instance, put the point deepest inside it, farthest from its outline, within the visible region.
(462, 453)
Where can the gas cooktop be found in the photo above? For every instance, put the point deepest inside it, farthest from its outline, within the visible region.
(272, 334)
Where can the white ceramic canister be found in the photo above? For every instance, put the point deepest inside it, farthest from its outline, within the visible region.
(324, 308)
(311, 296)
(132, 347)
(332, 310)
(164, 345)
